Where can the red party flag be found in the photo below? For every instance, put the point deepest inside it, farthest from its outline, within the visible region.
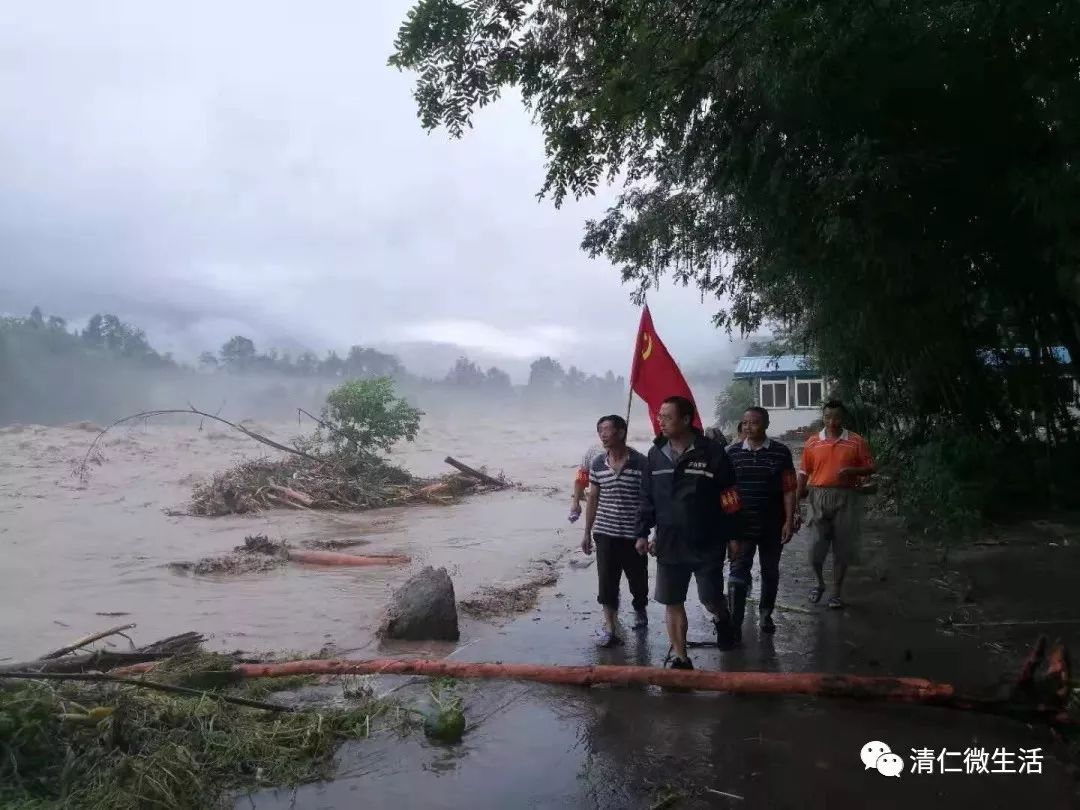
(654, 375)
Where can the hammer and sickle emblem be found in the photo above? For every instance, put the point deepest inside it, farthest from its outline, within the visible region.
(647, 338)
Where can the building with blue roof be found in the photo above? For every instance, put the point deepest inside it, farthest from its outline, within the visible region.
(793, 390)
(788, 386)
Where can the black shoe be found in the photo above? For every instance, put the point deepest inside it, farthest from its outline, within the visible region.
(725, 634)
(681, 663)
(767, 624)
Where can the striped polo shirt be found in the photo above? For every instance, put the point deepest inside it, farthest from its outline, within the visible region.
(762, 477)
(620, 495)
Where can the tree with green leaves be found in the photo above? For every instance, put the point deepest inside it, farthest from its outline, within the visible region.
(368, 416)
(897, 181)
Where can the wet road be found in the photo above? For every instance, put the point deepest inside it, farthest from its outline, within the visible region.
(550, 747)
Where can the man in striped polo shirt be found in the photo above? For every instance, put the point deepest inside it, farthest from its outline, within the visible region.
(611, 514)
(765, 478)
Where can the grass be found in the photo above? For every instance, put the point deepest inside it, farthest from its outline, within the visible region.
(92, 746)
(87, 745)
(261, 687)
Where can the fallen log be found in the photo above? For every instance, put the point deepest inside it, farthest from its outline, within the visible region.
(283, 501)
(479, 476)
(82, 468)
(905, 690)
(438, 488)
(82, 642)
(751, 683)
(108, 659)
(312, 557)
(99, 660)
(301, 498)
(1044, 699)
(1040, 691)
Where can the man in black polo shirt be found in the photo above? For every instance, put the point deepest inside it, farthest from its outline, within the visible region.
(765, 477)
(611, 515)
(689, 495)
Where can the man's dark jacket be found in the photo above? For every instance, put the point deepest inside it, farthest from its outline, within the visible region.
(693, 503)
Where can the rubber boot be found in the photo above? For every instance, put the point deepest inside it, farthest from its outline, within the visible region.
(737, 609)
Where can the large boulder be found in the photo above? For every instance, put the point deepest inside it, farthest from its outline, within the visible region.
(423, 609)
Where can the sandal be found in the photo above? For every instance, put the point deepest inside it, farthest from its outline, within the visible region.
(836, 603)
(815, 594)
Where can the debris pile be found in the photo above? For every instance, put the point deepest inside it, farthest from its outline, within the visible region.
(259, 553)
(256, 555)
(492, 601)
(309, 478)
(342, 482)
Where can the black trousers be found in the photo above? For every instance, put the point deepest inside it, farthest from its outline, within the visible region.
(616, 556)
(768, 550)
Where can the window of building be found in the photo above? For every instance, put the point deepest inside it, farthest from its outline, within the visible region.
(808, 393)
(773, 394)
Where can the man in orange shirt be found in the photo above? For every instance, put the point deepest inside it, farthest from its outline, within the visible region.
(833, 465)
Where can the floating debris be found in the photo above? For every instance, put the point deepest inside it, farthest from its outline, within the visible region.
(340, 482)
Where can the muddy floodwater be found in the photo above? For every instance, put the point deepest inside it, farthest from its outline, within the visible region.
(72, 551)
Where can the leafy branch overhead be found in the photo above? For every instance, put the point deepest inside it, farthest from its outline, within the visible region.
(895, 181)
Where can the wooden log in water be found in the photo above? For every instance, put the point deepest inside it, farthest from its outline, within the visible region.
(479, 476)
(312, 557)
(108, 659)
(83, 642)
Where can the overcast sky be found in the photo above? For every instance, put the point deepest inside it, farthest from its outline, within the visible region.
(207, 169)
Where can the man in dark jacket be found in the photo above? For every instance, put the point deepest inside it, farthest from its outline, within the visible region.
(689, 496)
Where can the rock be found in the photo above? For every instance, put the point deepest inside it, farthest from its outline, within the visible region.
(423, 609)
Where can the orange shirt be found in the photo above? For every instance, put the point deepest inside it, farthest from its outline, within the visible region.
(823, 458)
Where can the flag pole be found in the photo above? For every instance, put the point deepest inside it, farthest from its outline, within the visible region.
(633, 362)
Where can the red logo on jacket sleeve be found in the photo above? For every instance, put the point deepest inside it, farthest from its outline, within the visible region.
(730, 501)
(788, 481)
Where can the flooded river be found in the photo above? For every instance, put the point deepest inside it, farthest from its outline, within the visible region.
(73, 551)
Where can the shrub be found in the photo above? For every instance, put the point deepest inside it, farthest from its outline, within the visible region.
(950, 483)
(367, 415)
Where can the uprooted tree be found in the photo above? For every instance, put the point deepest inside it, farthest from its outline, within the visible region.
(895, 183)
